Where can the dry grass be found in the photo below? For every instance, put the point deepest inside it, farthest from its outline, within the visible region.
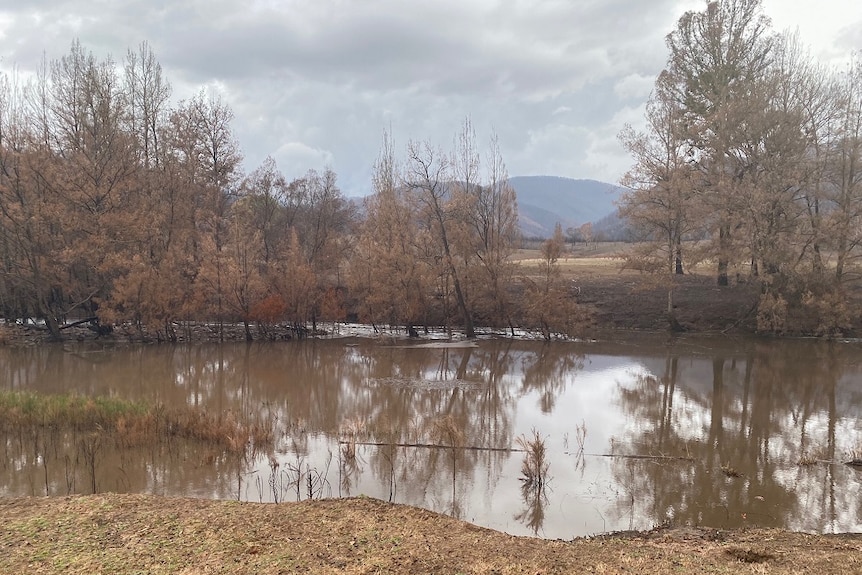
(122, 534)
(535, 466)
(130, 423)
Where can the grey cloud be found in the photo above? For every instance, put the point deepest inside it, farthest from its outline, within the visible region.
(315, 82)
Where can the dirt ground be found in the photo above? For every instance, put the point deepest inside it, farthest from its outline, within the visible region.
(121, 534)
(620, 299)
(627, 300)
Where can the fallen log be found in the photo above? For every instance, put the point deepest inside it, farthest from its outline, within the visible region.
(653, 457)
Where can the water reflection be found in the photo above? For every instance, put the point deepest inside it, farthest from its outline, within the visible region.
(696, 431)
(749, 426)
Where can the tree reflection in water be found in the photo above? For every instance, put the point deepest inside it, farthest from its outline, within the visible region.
(535, 499)
(757, 406)
(739, 431)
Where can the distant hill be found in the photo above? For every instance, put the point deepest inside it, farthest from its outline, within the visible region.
(545, 200)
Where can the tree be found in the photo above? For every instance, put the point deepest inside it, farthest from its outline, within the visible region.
(68, 180)
(844, 170)
(493, 217)
(776, 148)
(388, 274)
(818, 91)
(427, 179)
(148, 94)
(659, 203)
(548, 301)
(717, 57)
(210, 157)
(266, 189)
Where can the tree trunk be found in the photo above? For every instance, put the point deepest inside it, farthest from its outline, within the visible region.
(723, 259)
(469, 328)
(673, 324)
(53, 327)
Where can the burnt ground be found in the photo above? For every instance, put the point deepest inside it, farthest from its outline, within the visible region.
(631, 301)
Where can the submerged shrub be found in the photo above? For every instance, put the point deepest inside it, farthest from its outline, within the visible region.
(534, 467)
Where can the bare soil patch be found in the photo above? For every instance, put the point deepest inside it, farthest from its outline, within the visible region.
(625, 300)
(620, 299)
(149, 534)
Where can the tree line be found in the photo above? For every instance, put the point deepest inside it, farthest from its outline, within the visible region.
(750, 162)
(118, 206)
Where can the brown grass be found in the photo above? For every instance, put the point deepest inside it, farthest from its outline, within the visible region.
(122, 534)
(535, 466)
(130, 423)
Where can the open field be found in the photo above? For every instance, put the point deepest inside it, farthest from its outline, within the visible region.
(627, 299)
(121, 534)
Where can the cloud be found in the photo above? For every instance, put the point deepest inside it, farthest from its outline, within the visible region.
(298, 157)
(318, 81)
(605, 153)
(636, 87)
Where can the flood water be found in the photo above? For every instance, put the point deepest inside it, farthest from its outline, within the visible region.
(695, 431)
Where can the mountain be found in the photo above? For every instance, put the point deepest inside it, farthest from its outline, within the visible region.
(545, 200)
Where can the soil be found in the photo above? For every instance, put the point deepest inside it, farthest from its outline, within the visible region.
(628, 302)
(150, 534)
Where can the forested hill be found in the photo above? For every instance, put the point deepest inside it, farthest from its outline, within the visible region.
(545, 200)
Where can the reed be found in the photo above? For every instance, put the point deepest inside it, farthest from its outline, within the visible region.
(534, 467)
(130, 423)
(64, 411)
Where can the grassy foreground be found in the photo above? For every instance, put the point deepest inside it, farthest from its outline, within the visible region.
(148, 534)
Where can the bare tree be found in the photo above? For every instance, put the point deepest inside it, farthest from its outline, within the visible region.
(427, 175)
(844, 170)
(493, 216)
(148, 94)
(660, 200)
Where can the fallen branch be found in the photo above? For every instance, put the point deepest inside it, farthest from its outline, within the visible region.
(434, 446)
(654, 457)
(76, 323)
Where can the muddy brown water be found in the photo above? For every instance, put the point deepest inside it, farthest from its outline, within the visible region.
(639, 431)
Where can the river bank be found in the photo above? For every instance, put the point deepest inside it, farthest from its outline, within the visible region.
(120, 534)
(622, 301)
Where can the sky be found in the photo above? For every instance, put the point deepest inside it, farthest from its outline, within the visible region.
(314, 83)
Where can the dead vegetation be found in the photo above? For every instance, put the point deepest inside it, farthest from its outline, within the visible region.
(535, 465)
(122, 534)
(129, 423)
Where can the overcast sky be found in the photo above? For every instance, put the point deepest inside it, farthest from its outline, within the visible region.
(314, 83)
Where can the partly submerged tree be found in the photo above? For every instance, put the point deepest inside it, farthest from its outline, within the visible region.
(549, 303)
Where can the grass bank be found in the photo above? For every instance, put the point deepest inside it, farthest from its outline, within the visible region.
(147, 534)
